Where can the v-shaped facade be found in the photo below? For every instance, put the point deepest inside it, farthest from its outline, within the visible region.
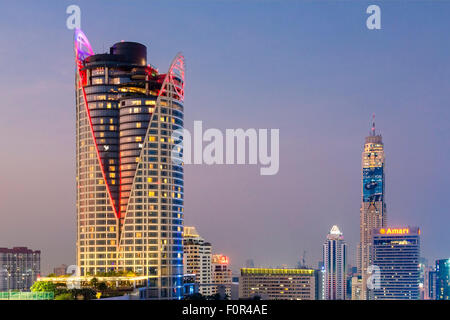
(129, 191)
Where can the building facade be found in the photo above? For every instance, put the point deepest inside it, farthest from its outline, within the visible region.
(396, 254)
(197, 259)
(129, 191)
(373, 205)
(430, 284)
(277, 284)
(356, 287)
(443, 279)
(221, 274)
(335, 262)
(19, 268)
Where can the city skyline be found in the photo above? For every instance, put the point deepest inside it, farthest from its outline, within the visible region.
(324, 118)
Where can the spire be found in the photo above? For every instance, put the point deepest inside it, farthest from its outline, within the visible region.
(372, 133)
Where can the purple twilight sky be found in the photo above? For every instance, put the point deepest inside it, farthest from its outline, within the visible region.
(310, 68)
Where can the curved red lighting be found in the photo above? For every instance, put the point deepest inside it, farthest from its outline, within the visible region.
(83, 50)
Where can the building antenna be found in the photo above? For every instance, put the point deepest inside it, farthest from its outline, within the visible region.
(373, 125)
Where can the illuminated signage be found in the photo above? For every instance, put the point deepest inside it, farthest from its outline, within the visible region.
(219, 258)
(394, 231)
(373, 184)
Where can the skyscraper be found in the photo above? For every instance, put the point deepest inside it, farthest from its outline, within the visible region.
(335, 262)
(443, 279)
(129, 192)
(396, 252)
(373, 206)
(197, 259)
(19, 268)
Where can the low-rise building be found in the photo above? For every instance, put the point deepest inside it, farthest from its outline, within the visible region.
(277, 284)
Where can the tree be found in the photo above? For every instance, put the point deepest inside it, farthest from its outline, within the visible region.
(102, 287)
(43, 286)
(64, 296)
(94, 282)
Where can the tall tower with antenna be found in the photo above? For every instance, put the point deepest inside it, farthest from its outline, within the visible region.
(373, 205)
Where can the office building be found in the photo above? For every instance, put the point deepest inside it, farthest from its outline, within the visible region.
(197, 259)
(396, 252)
(277, 284)
(443, 279)
(335, 262)
(430, 283)
(19, 268)
(129, 191)
(221, 275)
(373, 205)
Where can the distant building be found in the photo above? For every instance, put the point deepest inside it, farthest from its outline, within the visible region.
(373, 213)
(197, 259)
(335, 262)
(249, 263)
(61, 270)
(277, 284)
(235, 288)
(396, 252)
(221, 275)
(443, 279)
(19, 268)
(422, 269)
(320, 283)
(429, 284)
(357, 287)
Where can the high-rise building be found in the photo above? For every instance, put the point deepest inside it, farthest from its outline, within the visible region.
(277, 284)
(443, 279)
(396, 253)
(373, 205)
(429, 284)
(221, 274)
(423, 262)
(129, 191)
(335, 262)
(197, 259)
(19, 268)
